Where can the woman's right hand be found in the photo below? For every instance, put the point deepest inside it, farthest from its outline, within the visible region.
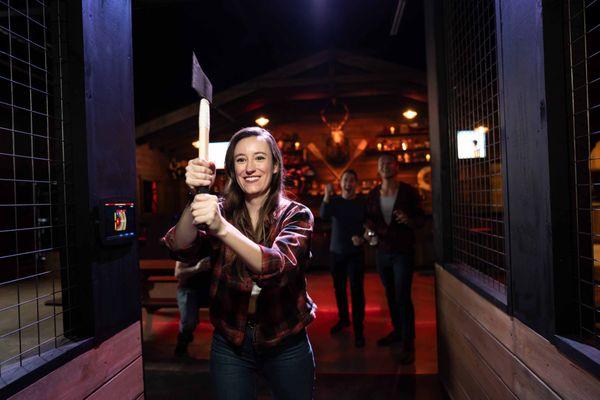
(199, 172)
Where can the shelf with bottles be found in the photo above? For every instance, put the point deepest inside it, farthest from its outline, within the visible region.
(299, 173)
(408, 148)
(293, 158)
(299, 178)
(394, 143)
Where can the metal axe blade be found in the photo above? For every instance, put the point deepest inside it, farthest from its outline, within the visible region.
(200, 81)
(203, 87)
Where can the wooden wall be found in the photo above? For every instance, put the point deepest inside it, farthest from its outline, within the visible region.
(486, 354)
(153, 165)
(357, 128)
(111, 371)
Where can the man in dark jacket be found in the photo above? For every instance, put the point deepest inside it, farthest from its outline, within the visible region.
(392, 214)
(347, 258)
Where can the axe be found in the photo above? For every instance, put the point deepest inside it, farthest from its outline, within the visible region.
(204, 89)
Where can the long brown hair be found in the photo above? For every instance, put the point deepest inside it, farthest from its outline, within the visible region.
(234, 205)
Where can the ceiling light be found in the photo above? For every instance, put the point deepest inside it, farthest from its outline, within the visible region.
(409, 114)
(262, 121)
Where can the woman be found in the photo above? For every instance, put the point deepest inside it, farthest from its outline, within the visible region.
(258, 242)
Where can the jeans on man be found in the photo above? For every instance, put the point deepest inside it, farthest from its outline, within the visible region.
(396, 271)
(343, 267)
(188, 302)
(288, 367)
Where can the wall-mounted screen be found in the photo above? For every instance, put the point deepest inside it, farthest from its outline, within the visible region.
(470, 144)
(216, 153)
(117, 222)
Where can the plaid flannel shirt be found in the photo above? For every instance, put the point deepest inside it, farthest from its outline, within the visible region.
(283, 305)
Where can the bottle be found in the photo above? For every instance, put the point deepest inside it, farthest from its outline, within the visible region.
(372, 238)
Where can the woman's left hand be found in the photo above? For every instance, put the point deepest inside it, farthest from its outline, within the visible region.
(205, 210)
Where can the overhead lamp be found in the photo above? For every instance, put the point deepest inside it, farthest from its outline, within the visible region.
(409, 114)
(262, 121)
(482, 129)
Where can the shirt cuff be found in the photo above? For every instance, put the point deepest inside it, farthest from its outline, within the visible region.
(187, 254)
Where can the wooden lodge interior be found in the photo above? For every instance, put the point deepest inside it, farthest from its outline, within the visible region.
(490, 108)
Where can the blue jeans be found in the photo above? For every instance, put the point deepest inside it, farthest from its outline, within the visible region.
(289, 368)
(343, 267)
(396, 271)
(188, 302)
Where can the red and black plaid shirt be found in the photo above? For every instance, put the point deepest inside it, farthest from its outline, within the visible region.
(283, 306)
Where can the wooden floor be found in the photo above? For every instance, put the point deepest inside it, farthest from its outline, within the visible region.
(343, 371)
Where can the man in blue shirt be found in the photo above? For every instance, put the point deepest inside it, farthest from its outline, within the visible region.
(347, 214)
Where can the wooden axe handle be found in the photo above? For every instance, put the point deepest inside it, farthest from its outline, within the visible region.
(203, 128)
(203, 140)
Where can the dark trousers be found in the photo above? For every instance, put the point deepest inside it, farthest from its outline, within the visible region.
(396, 271)
(288, 367)
(349, 266)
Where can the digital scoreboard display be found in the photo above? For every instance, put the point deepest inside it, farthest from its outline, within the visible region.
(117, 222)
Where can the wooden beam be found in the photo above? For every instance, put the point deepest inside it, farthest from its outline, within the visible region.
(382, 72)
(398, 17)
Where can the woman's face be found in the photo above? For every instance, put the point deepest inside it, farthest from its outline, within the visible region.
(254, 167)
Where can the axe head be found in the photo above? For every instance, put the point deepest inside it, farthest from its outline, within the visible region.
(200, 81)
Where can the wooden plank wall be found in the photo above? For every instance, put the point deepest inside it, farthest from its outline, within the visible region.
(111, 371)
(486, 354)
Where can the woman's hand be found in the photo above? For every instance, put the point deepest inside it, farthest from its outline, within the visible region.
(199, 172)
(205, 210)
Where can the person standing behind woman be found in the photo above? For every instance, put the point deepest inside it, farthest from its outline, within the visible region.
(392, 215)
(192, 292)
(258, 242)
(347, 258)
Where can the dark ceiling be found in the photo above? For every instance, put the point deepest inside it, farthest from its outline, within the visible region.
(238, 40)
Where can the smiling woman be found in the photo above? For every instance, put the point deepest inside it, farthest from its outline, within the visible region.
(258, 244)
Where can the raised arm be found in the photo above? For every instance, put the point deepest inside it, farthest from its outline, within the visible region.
(185, 241)
(325, 210)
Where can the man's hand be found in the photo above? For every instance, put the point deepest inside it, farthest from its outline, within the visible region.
(402, 218)
(328, 192)
(357, 240)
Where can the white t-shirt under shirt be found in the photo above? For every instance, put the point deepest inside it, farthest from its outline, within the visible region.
(253, 297)
(387, 207)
